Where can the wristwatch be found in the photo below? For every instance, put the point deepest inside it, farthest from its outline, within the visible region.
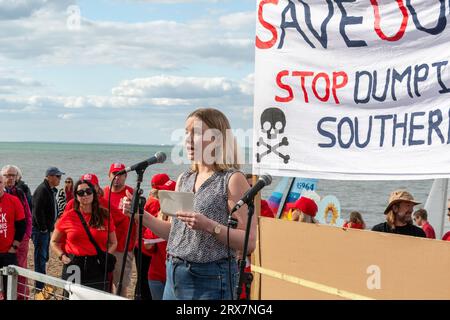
(217, 229)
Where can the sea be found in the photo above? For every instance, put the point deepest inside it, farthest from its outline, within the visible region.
(33, 158)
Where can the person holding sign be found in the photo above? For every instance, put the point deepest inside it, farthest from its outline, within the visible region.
(197, 265)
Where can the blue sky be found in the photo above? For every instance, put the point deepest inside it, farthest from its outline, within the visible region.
(123, 71)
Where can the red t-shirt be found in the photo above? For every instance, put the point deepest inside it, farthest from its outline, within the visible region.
(429, 231)
(265, 210)
(152, 207)
(11, 210)
(121, 220)
(353, 225)
(446, 236)
(157, 269)
(75, 239)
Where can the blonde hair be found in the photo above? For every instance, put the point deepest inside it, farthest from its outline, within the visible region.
(390, 219)
(215, 119)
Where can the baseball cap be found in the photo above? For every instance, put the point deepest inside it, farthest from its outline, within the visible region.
(305, 205)
(53, 171)
(116, 167)
(162, 182)
(92, 178)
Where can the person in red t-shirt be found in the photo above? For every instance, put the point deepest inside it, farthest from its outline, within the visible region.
(72, 244)
(10, 173)
(157, 268)
(420, 218)
(12, 227)
(122, 222)
(355, 221)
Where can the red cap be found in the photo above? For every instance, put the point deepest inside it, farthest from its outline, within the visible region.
(162, 182)
(92, 178)
(116, 167)
(305, 205)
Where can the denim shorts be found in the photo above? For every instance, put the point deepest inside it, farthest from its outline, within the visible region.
(200, 281)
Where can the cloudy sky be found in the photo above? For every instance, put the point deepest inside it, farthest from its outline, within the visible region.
(122, 71)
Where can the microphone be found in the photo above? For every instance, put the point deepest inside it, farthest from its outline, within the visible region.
(263, 181)
(159, 157)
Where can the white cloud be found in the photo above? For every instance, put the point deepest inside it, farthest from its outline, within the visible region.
(172, 1)
(177, 87)
(19, 9)
(142, 93)
(67, 116)
(239, 20)
(10, 85)
(247, 85)
(44, 38)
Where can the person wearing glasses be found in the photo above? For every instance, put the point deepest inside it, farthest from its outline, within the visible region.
(12, 229)
(446, 236)
(9, 174)
(64, 195)
(44, 215)
(122, 222)
(73, 246)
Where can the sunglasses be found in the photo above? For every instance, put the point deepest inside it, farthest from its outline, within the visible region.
(83, 192)
(10, 175)
(68, 181)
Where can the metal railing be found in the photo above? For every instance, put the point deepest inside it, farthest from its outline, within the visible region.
(21, 286)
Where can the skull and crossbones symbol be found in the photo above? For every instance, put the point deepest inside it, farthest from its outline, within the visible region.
(273, 123)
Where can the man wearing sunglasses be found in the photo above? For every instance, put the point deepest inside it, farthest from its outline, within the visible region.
(44, 215)
(447, 235)
(121, 222)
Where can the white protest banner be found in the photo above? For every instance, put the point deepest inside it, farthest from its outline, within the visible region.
(352, 89)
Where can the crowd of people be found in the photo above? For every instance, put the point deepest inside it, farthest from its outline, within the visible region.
(190, 256)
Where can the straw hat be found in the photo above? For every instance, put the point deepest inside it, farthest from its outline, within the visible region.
(399, 196)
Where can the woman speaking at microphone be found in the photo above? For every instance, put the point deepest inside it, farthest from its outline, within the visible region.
(197, 254)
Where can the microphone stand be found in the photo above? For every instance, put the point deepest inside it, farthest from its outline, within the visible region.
(137, 204)
(243, 260)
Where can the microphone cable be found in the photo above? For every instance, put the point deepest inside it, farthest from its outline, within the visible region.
(232, 223)
(230, 282)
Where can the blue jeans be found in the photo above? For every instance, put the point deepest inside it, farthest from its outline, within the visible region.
(156, 289)
(41, 243)
(199, 281)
